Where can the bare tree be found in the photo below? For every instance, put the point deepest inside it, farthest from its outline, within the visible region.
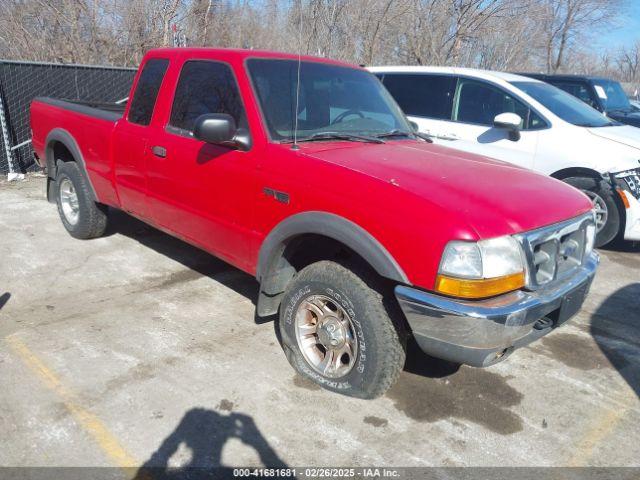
(628, 62)
(548, 35)
(567, 21)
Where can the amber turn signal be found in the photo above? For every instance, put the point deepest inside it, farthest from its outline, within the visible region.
(482, 288)
(623, 197)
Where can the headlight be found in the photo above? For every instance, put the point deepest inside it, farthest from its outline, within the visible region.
(590, 236)
(481, 269)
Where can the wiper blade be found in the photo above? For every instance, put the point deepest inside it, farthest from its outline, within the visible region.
(395, 133)
(424, 136)
(339, 136)
(620, 110)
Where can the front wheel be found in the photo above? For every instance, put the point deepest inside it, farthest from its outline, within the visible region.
(337, 332)
(602, 195)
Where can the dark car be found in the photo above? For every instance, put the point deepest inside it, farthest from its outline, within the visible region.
(601, 93)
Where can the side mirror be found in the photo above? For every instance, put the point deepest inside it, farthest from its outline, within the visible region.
(510, 122)
(221, 129)
(414, 125)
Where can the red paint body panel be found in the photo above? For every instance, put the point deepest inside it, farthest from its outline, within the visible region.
(413, 197)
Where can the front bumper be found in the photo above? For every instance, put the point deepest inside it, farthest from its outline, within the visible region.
(632, 220)
(481, 333)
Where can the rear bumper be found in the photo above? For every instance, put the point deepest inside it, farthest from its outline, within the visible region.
(481, 333)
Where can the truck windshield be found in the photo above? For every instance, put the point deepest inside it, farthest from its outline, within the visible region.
(332, 100)
(565, 106)
(615, 99)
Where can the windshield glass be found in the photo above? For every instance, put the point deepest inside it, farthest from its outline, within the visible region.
(332, 99)
(616, 98)
(565, 106)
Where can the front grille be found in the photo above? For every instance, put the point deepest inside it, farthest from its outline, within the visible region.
(554, 252)
(630, 181)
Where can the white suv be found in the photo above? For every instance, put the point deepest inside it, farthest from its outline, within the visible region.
(532, 124)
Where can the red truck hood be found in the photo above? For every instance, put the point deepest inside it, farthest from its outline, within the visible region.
(493, 197)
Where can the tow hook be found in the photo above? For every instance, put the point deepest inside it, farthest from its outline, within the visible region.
(543, 323)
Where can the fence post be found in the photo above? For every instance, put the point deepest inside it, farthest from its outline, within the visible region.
(13, 174)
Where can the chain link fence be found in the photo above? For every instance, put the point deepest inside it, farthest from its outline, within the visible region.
(21, 82)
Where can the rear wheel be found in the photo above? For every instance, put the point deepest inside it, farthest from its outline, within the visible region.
(81, 216)
(603, 197)
(337, 332)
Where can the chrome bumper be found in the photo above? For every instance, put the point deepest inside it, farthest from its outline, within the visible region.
(481, 333)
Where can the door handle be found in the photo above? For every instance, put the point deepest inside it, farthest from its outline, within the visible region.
(159, 151)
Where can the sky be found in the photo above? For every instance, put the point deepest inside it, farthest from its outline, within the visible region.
(627, 33)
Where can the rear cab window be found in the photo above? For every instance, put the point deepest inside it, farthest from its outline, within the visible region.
(205, 86)
(146, 94)
(422, 95)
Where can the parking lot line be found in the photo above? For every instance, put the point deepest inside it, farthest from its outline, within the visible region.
(87, 420)
(605, 423)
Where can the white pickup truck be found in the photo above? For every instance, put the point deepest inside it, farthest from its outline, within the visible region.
(532, 124)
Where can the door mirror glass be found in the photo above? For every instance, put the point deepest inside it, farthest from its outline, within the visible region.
(216, 128)
(510, 122)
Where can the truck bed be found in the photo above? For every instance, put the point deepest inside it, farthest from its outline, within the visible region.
(88, 127)
(101, 110)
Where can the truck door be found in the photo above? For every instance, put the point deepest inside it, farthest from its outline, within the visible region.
(204, 193)
(131, 137)
(475, 106)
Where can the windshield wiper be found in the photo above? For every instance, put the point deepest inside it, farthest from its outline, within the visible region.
(620, 110)
(395, 133)
(591, 125)
(353, 137)
(400, 133)
(424, 136)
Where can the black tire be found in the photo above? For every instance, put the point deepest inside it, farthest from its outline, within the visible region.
(381, 344)
(602, 189)
(92, 217)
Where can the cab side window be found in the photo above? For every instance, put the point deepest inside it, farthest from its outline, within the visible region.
(479, 103)
(144, 98)
(205, 87)
(422, 95)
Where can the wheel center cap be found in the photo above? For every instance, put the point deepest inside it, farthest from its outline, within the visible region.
(331, 334)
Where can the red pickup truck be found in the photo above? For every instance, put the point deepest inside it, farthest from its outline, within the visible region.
(305, 173)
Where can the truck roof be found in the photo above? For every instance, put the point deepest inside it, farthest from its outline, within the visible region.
(242, 53)
(564, 76)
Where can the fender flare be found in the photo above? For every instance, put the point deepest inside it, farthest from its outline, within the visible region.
(63, 136)
(274, 272)
(576, 172)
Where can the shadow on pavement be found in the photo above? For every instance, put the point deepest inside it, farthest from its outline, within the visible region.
(4, 298)
(615, 327)
(191, 257)
(419, 363)
(205, 432)
(622, 247)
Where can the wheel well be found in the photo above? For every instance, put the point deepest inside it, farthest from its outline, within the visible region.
(300, 251)
(61, 152)
(576, 172)
(306, 249)
(56, 151)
